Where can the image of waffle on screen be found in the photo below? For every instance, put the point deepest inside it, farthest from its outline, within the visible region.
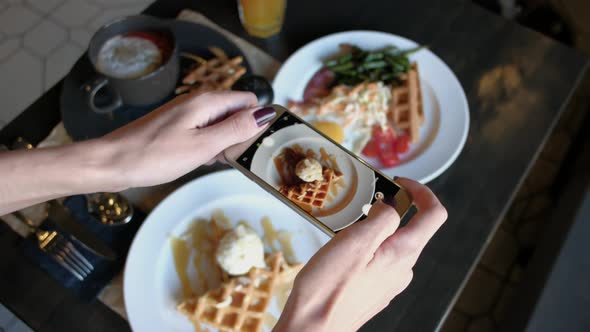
(310, 179)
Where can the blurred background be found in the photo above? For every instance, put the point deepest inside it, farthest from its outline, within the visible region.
(534, 269)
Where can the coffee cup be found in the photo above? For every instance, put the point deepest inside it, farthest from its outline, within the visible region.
(136, 59)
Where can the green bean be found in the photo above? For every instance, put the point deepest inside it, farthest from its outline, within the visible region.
(374, 64)
(345, 66)
(386, 64)
(345, 58)
(374, 56)
(331, 63)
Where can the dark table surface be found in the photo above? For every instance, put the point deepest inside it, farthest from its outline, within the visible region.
(517, 82)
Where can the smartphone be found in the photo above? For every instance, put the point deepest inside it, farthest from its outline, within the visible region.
(324, 182)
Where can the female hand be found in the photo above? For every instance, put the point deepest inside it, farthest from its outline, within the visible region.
(357, 273)
(182, 135)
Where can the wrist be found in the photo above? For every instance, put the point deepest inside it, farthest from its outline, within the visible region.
(97, 167)
(300, 314)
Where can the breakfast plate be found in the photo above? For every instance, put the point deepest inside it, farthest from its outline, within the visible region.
(152, 286)
(359, 181)
(445, 122)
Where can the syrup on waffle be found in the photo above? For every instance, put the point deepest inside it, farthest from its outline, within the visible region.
(239, 304)
(216, 74)
(406, 111)
(309, 195)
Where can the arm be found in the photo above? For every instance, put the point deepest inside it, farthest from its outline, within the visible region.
(33, 176)
(159, 147)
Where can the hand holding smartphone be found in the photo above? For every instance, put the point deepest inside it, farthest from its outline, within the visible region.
(323, 182)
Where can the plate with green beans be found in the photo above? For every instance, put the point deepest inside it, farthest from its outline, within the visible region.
(386, 98)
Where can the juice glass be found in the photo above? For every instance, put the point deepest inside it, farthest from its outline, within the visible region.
(262, 18)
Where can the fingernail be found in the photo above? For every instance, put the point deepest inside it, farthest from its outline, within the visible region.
(264, 115)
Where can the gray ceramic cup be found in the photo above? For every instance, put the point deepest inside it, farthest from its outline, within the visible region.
(144, 90)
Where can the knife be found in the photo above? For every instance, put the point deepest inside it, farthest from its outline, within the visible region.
(60, 215)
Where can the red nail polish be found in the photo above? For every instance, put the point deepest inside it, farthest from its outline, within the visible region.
(264, 115)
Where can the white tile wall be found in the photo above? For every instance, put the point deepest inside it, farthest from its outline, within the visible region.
(75, 13)
(59, 63)
(81, 37)
(17, 19)
(44, 6)
(21, 82)
(44, 38)
(8, 46)
(41, 39)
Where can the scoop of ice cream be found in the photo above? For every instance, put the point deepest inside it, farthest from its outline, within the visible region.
(309, 170)
(239, 250)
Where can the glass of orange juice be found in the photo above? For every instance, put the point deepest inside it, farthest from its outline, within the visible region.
(262, 18)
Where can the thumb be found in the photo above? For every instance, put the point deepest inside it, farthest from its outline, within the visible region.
(237, 128)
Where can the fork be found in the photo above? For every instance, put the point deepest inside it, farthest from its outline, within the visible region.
(60, 249)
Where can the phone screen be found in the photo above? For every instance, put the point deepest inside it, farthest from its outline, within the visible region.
(320, 178)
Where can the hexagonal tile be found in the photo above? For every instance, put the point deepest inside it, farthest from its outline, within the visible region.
(17, 19)
(8, 46)
(58, 64)
(44, 5)
(20, 83)
(74, 13)
(115, 3)
(112, 14)
(44, 38)
(81, 37)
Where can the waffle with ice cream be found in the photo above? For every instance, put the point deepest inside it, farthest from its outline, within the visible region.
(241, 301)
(309, 195)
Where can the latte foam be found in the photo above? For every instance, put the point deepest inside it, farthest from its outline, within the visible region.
(128, 57)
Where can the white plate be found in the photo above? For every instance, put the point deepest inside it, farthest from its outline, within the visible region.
(359, 179)
(151, 285)
(445, 106)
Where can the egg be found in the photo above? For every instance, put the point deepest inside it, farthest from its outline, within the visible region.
(352, 137)
(330, 129)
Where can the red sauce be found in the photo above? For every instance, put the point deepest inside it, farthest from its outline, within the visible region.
(160, 39)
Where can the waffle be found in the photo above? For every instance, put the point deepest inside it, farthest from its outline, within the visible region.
(406, 111)
(216, 74)
(240, 303)
(310, 195)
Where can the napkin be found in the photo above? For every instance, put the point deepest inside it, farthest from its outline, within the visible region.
(117, 238)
